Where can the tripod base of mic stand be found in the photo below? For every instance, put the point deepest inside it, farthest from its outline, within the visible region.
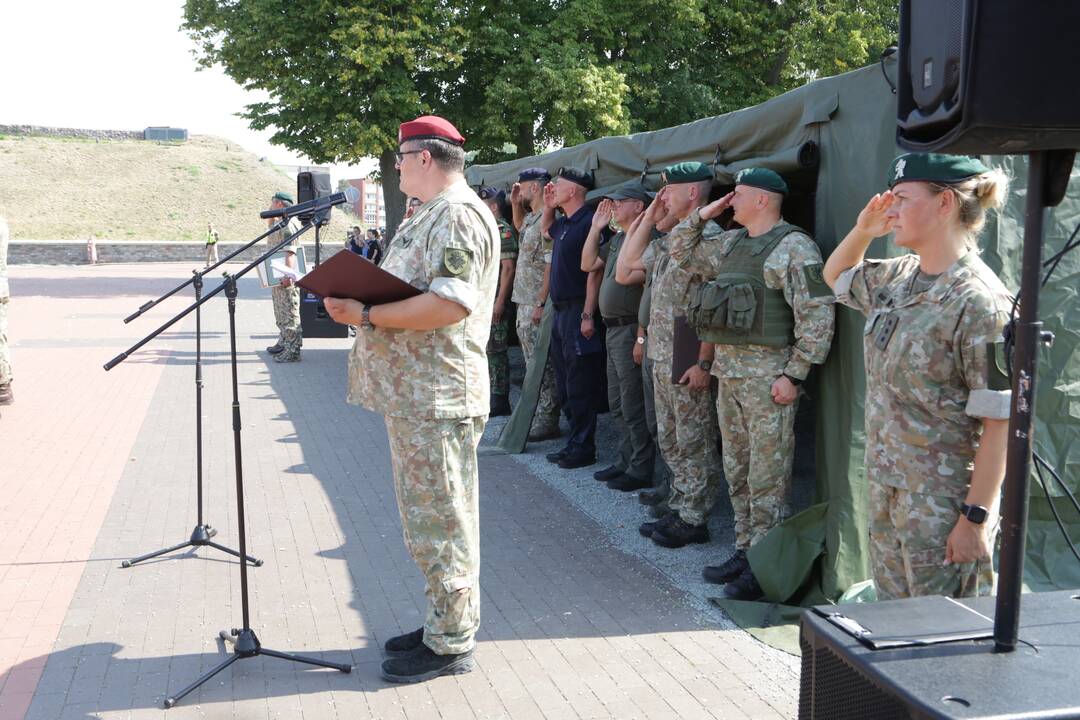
(200, 536)
(247, 645)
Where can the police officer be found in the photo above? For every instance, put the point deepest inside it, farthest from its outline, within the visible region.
(531, 277)
(211, 245)
(618, 304)
(577, 349)
(686, 425)
(6, 395)
(422, 363)
(937, 396)
(498, 358)
(286, 295)
(770, 316)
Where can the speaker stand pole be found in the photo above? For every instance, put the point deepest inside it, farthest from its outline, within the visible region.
(1048, 177)
(202, 533)
(245, 643)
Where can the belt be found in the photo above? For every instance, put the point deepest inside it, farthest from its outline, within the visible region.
(620, 321)
(568, 304)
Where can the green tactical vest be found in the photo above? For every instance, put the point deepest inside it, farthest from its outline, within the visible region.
(736, 308)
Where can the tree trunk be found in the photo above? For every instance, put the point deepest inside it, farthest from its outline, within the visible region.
(393, 198)
(526, 140)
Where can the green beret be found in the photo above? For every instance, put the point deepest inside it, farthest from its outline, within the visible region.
(686, 172)
(284, 197)
(934, 167)
(762, 178)
(630, 190)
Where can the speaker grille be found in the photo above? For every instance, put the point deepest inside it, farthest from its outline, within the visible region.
(831, 690)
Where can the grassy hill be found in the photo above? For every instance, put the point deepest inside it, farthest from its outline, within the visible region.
(69, 189)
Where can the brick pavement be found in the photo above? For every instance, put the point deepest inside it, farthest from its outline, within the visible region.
(572, 625)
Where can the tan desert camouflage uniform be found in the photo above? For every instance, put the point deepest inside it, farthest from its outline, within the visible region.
(433, 388)
(934, 368)
(287, 300)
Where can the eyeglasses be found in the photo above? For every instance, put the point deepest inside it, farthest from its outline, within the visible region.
(400, 154)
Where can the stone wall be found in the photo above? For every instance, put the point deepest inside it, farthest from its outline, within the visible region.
(71, 132)
(60, 252)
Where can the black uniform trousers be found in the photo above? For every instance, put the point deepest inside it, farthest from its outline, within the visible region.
(579, 375)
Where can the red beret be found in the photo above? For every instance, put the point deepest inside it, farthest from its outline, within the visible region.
(428, 127)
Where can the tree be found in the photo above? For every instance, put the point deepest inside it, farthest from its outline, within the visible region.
(518, 77)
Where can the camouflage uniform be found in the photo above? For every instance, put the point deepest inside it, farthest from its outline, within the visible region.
(5, 297)
(498, 359)
(758, 434)
(685, 418)
(433, 388)
(534, 252)
(930, 379)
(287, 302)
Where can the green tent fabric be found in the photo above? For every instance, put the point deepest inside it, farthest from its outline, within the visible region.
(851, 120)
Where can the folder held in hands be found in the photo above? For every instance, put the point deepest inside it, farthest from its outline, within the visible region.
(347, 275)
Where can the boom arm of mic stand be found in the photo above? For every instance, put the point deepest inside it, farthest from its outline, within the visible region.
(146, 306)
(127, 353)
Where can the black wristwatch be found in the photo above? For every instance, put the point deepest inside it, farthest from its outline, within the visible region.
(705, 365)
(793, 380)
(366, 319)
(975, 514)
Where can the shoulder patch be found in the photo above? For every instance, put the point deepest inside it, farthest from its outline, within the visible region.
(813, 275)
(456, 260)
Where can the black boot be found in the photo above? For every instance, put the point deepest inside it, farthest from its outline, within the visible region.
(648, 528)
(423, 664)
(730, 569)
(628, 483)
(744, 587)
(404, 644)
(679, 533)
(500, 405)
(555, 457)
(609, 473)
(275, 348)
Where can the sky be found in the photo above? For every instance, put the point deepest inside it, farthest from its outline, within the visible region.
(121, 65)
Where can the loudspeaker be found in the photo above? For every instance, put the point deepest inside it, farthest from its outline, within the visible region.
(312, 185)
(843, 678)
(988, 76)
(315, 322)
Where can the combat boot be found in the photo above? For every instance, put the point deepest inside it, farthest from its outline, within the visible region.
(555, 457)
(744, 587)
(275, 348)
(680, 533)
(730, 569)
(648, 528)
(609, 473)
(285, 356)
(541, 434)
(404, 644)
(423, 664)
(628, 483)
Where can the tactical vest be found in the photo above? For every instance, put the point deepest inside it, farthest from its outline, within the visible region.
(736, 307)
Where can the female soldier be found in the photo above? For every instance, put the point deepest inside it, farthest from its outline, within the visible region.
(937, 399)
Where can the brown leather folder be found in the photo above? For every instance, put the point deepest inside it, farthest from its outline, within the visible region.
(347, 275)
(684, 350)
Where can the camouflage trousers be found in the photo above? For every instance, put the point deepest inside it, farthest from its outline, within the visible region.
(5, 351)
(497, 356)
(686, 434)
(908, 534)
(435, 480)
(546, 417)
(759, 446)
(662, 474)
(287, 317)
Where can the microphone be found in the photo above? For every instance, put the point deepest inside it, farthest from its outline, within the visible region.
(350, 195)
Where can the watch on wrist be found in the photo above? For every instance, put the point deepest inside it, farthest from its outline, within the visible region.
(705, 365)
(586, 316)
(793, 380)
(366, 318)
(640, 340)
(976, 514)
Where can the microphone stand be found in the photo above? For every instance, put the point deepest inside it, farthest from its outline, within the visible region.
(200, 536)
(246, 644)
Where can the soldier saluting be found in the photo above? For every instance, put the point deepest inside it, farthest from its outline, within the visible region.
(422, 362)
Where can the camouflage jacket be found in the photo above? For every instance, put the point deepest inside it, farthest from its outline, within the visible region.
(934, 367)
(508, 244)
(669, 296)
(449, 247)
(274, 238)
(534, 252)
(5, 236)
(793, 267)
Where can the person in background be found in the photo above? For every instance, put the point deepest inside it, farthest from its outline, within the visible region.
(211, 244)
(6, 395)
(498, 357)
(286, 295)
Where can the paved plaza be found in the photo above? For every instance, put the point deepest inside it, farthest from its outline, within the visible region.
(581, 617)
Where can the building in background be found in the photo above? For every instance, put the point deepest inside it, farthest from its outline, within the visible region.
(369, 209)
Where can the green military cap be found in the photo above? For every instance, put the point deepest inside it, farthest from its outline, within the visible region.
(686, 172)
(284, 197)
(934, 167)
(631, 190)
(762, 178)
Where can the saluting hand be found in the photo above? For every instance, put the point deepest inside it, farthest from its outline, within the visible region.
(715, 208)
(515, 194)
(874, 219)
(657, 210)
(549, 195)
(603, 214)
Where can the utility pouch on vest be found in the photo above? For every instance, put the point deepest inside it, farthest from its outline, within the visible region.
(708, 307)
(741, 307)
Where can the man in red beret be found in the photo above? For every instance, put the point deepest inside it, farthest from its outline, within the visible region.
(422, 362)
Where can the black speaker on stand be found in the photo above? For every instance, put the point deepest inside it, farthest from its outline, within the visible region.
(975, 77)
(315, 322)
